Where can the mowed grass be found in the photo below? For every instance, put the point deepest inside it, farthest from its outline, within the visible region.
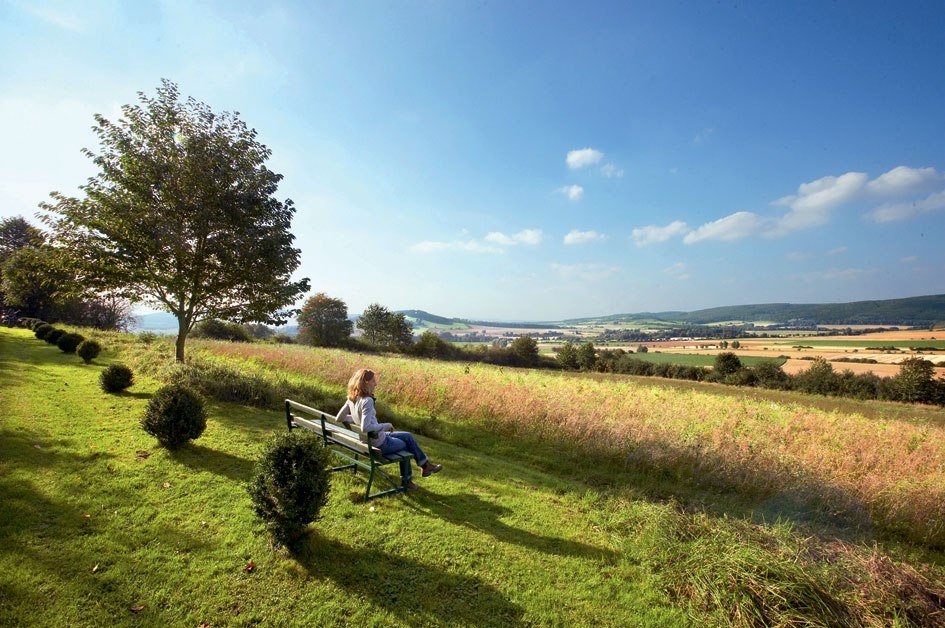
(892, 344)
(97, 519)
(699, 359)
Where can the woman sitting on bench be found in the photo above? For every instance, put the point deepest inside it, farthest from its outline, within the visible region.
(360, 409)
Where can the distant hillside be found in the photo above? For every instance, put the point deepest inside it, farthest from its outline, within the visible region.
(924, 310)
(422, 319)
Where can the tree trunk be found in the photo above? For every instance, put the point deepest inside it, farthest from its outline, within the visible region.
(182, 330)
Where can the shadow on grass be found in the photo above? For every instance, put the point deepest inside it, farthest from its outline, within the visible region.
(135, 395)
(415, 592)
(484, 516)
(200, 458)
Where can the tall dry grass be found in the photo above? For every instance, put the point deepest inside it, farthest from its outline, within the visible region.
(887, 473)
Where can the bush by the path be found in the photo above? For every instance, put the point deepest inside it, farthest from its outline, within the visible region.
(89, 350)
(41, 330)
(116, 378)
(68, 343)
(175, 415)
(52, 336)
(291, 484)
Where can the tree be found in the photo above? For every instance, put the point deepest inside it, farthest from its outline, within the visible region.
(323, 321)
(525, 349)
(567, 356)
(587, 357)
(35, 282)
(16, 233)
(382, 327)
(726, 363)
(736, 344)
(913, 383)
(642, 349)
(181, 215)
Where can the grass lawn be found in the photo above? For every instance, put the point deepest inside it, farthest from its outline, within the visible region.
(97, 519)
(903, 344)
(699, 359)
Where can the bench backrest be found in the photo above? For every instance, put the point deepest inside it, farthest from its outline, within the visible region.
(334, 432)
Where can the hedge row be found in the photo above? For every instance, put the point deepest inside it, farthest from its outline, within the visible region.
(67, 342)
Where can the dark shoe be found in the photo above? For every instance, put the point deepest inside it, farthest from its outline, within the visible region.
(430, 468)
(412, 486)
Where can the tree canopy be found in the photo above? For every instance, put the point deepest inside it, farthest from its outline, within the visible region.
(385, 328)
(323, 321)
(182, 215)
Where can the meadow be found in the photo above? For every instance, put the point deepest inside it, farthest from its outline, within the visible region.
(661, 505)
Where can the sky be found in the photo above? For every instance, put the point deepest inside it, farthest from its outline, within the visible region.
(534, 160)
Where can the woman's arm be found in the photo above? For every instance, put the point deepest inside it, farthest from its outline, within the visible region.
(369, 418)
(344, 415)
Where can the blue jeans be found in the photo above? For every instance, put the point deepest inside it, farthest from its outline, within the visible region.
(398, 441)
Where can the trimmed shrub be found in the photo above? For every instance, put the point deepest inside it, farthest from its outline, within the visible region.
(147, 337)
(68, 343)
(89, 350)
(116, 378)
(175, 415)
(41, 331)
(52, 336)
(291, 484)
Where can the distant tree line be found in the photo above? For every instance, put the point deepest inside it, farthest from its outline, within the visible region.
(915, 382)
(36, 281)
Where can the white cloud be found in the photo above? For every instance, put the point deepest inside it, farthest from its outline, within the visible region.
(911, 259)
(837, 251)
(703, 136)
(582, 237)
(731, 227)
(583, 157)
(59, 19)
(585, 272)
(573, 192)
(902, 181)
(470, 246)
(611, 171)
(834, 274)
(811, 205)
(526, 236)
(798, 256)
(892, 212)
(643, 236)
(679, 271)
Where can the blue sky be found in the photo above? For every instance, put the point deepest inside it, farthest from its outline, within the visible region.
(535, 160)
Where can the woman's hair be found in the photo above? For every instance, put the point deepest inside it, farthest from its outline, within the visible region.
(357, 385)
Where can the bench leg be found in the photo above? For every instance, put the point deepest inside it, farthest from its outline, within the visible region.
(367, 491)
(406, 472)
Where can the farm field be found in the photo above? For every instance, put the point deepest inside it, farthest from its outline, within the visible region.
(699, 359)
(866, 342)
(663, 537)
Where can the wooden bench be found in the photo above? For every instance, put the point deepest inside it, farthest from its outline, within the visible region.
(350, 444)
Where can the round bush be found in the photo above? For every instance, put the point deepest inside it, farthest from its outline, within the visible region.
(116, 378)
(41, 331)
(68, 343)
(290, 484)
(89, 350)
(52, 336)
(175, 415)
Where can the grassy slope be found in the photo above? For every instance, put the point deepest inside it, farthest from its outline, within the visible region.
(484, 542)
